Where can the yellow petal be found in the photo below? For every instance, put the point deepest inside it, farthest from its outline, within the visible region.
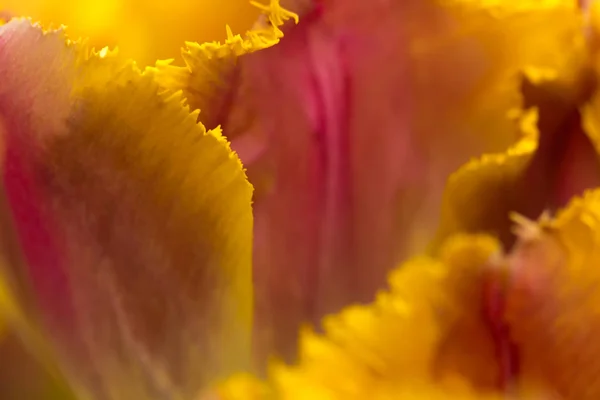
(481, 195)
(239, 386)
(130, 210)
(590, 110)
(353, 123)
(488, 44)
(426, 336)
(210, 67)
(527, 177)
(553, 300)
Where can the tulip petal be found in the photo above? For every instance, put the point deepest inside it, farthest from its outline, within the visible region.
(432, 306)
(426, 336)
(552, 300)
(210, 69)
(136, 222)
(351, 125)
(481, 195)
(553, 162)
(552, 272)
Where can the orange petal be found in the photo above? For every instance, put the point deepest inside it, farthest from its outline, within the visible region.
(434, 305)
(210, 73)
(553, 162)
(480, 196)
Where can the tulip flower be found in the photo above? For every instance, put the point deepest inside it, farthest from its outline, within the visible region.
(472, 323)
(383, 102)
(372, 132)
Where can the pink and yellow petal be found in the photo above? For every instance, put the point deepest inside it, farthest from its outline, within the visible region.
(210, 69)
(418, 331)
(133, 213)
(414, 334)
(351, 124)
(554, 161)
(553, 299)
(427, 336)
(33, 371)
(553, 288)
(486, 44)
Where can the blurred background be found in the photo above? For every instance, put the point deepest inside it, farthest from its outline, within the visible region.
(144, 30)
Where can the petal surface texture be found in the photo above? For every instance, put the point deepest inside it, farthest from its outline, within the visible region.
(552, 291)
(425, 337)
(552, 298)
(135, 221)
(351, 125)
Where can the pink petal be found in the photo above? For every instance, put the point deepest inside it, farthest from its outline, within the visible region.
(349, 129)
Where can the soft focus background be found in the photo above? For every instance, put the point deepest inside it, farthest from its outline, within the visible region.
(144, 30)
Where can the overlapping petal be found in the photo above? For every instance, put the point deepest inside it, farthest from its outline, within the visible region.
(555, 160)
(143, 30)
(135, 221)
(210, 73)
(427, 336)
(33, 372)
(146, 236)
(379, 110)
(552, 293)
(553, 299)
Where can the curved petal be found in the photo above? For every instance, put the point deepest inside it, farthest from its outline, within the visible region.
(555, 160)
(552, 272)
(480, 196)
(210, 69)
(135, 221)
(552, 300)
(351, 125)
(424, 338)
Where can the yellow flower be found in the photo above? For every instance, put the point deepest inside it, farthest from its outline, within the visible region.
(351, 126)
(145, 251)
(473, 323)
